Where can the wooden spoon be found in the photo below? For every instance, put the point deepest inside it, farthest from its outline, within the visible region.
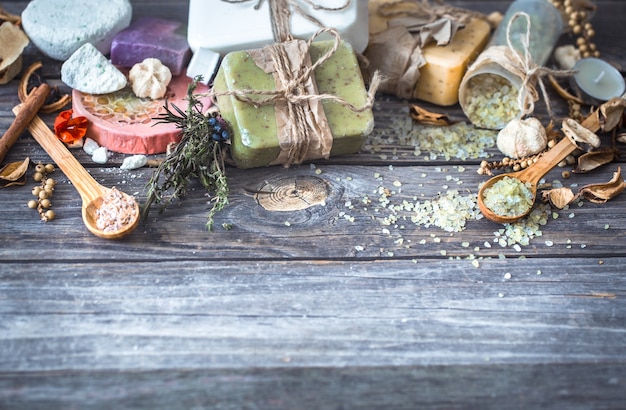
(91, 192)
(532, 175)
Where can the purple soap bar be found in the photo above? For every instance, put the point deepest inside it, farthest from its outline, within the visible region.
(151, 37)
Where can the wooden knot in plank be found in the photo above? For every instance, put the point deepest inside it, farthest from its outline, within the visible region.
(292, 193)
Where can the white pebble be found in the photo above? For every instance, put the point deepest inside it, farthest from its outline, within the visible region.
(89, 146)
(100, 155)
(134, 162)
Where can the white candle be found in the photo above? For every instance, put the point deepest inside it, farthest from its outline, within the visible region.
(597, 80)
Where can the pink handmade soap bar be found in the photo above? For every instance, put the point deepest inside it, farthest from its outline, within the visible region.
(151, 37)
(123, 122)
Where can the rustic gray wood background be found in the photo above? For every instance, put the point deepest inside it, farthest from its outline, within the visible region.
(309, 309)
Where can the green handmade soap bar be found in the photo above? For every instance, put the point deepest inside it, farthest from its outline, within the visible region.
(254, 141)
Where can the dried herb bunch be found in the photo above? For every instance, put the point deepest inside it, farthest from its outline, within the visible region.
(199, 154)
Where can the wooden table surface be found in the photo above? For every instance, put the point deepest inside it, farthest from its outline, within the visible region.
(324, 308)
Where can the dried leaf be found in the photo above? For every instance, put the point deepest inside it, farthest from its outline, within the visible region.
(601, 193)
(14, 173)
(426, 117)
(594, 159)
(612, 112)
(621, 137)
(558, 197)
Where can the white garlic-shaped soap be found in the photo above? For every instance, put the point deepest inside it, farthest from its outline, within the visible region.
(150, 78)
(522, 138)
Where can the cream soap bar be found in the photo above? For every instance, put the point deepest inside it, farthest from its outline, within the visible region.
(445, 65)
(255, 136)
(223, 27)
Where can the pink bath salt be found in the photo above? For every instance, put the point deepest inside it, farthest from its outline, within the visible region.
(151, 37)
(124, 123)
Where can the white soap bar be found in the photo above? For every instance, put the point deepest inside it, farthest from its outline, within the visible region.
(204, 62)
(224, 27)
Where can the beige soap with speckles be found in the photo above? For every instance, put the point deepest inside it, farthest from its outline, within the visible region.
(445, 65)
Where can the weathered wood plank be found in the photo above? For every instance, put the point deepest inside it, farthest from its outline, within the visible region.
(99, 316)
(343, 227)
(488, 386)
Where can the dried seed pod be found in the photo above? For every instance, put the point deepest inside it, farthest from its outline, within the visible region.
(12, 43)
(579, 134)
(522, 138)
(150, 78)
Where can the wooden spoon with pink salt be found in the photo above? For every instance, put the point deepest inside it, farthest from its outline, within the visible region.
(107, 213)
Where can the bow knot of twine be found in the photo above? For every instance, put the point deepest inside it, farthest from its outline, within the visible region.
(533, 72)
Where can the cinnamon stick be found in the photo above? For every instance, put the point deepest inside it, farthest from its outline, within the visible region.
(31, 106)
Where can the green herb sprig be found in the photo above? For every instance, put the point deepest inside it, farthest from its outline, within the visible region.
(199, 155)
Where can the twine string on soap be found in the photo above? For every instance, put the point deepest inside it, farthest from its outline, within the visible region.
(288, 90)
(531, 70)
(291, 80)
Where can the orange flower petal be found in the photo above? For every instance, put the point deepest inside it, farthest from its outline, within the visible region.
(70, 129)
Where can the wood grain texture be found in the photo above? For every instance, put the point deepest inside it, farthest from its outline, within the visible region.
(343, 305)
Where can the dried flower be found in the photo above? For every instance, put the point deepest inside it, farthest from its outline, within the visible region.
(522, 138)
(69, 129)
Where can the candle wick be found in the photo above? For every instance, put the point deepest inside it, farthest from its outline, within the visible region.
(599, 77)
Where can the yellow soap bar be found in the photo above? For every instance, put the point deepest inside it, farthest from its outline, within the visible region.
(445, 65)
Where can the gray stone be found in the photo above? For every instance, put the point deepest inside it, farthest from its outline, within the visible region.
(89, 71)
(59, 27)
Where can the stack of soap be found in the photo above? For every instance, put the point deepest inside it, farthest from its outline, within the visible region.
(123, 122)
(150, 37)
(58, 28)
(441, 76)
(255, 141)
